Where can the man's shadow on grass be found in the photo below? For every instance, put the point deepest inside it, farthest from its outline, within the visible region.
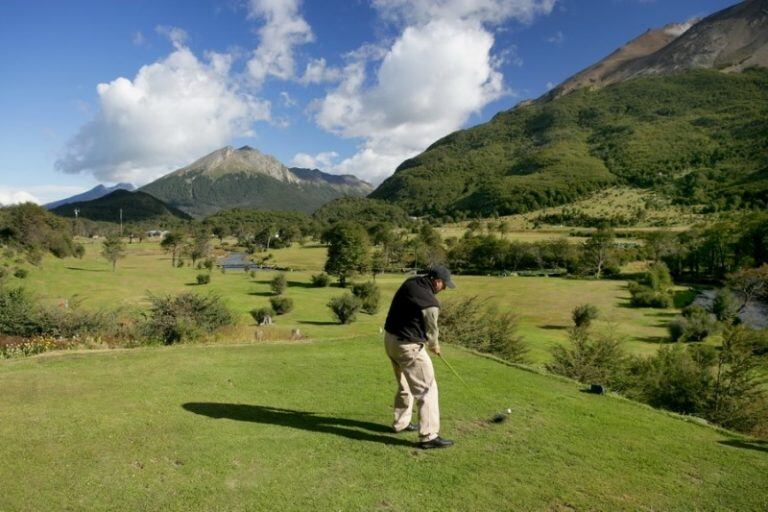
(303, 420)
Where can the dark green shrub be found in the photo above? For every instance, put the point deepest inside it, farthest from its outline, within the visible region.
(701, 323)
(260, 315)
(676, 328)
(369, 295)
(79, 251)
(345, 307)
(724, 306)
(278, 284)
(18, 313)
(281, 305)
(760, 342)
(21, 273)
(658, 277)
(584, 314)
(470, 323)
(71, 320)
(184, 317)
(208, 264)
(677, 379)
(589, 359)
(203, 278)
(646, 297)
(321, 280)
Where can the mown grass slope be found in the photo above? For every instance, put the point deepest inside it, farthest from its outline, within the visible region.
(304, 426)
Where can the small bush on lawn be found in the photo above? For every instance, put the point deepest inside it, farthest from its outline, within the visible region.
(281, 305)
(278, 284)
(21, 273)
(203, 278)
(345, 307)
(261, 314)
(584, 314)
(187, 316)
(321, 280)
(369, 295)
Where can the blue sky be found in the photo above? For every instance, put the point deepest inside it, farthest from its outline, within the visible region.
(106, 91)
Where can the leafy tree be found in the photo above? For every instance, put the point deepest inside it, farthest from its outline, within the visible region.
(348, 250)
(749, 283)
(113, 249)
(199, 247)
(172, 242)
(35, 231)
(598, 249)
(738, 398)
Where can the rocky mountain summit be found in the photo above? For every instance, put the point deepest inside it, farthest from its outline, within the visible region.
(246, 178)
(730, 40)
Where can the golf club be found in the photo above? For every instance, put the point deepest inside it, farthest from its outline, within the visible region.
(496, 418)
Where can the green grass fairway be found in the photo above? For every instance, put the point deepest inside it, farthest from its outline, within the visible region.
(543, 305)
(304, 426)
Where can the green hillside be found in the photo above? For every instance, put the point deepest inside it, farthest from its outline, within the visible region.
(136, 206)
(205, 195)
(304, 426)
(699, 137)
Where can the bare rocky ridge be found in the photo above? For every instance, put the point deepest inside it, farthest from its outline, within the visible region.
(244, 160)
(730, 40)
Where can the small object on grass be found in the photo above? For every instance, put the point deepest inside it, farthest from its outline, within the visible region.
(499, 418)
(597, 389)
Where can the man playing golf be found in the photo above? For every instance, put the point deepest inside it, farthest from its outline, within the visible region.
(411, 324)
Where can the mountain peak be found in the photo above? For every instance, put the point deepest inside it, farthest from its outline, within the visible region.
(729, 40)
(245, 160)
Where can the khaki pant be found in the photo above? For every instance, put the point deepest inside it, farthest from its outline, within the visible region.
(416, 380)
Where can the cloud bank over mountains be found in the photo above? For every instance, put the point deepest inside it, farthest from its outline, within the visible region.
(392, 96)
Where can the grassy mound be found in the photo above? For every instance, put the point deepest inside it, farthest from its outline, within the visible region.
(304, 426)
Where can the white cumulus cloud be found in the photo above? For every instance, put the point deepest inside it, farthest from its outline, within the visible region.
(427, 85)
(318, 71)
(322, 160)
(283, 30)
(172, 112)
(433, 77)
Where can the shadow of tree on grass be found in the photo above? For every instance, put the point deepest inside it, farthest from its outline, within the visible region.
(760, 446)
(304, 420)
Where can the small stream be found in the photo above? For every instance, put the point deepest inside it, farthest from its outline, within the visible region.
(237, 261)
(755, 315)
